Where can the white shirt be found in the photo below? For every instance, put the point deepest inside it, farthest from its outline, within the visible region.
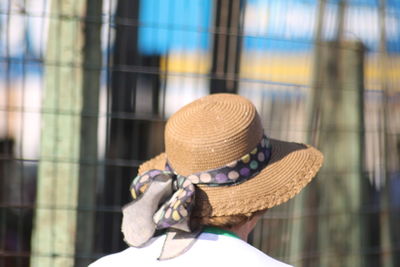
(209, 250)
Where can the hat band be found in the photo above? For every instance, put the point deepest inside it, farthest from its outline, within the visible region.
(235, 172)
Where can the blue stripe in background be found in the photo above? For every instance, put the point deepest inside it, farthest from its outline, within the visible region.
(174, 25)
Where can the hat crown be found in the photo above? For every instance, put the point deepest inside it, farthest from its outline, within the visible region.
(211, 132)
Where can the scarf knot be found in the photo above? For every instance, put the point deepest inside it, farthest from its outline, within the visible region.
(176, 205)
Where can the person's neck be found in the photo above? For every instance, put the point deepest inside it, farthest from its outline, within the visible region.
(244, 229)
(240, 232)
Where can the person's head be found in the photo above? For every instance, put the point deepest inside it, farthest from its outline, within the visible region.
(223, 131)
(224, 169)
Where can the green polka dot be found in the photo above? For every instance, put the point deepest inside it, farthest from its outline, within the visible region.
(253, 164)
(181, 180)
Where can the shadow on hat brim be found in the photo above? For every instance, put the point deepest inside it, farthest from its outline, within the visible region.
(291, 167)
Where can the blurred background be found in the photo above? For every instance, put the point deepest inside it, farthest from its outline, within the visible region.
(87, 85)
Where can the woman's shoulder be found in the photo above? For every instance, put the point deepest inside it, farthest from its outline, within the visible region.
(234, 250)
(132, 254)
(209, 249)
(117, 259)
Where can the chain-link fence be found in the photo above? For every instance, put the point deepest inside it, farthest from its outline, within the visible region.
(86, 87)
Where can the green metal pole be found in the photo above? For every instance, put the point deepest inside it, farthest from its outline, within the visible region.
(55, 222)
(88, 167)
(340, 138)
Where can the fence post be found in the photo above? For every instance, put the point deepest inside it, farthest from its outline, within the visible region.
(227, 46)
(340, 138)
(88, 168)
(63, 133)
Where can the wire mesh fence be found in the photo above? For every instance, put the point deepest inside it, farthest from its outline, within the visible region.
(86, 87)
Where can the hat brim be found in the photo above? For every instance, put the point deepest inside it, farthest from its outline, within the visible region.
(291, 167)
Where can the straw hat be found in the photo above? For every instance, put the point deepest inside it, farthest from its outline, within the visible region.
(218, 129)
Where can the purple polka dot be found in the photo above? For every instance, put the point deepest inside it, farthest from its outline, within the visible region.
(154, 173)
(221, 178)
(245, 171)
(137, 187)
(165, 225)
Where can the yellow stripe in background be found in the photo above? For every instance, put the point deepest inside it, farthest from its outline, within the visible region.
(293, 68)
(198, 63)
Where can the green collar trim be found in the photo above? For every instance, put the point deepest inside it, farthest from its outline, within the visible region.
(219, 231)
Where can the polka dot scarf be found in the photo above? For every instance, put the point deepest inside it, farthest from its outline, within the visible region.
(164, 199)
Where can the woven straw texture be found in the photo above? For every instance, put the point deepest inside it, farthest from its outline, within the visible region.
(215, 130)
